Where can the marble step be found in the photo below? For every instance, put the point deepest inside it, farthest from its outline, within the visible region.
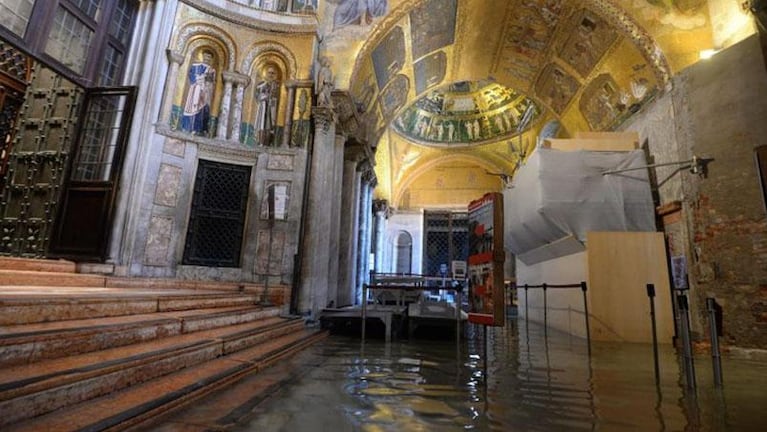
(32, 264)
(33, 390)
(27, 343)
(18, 308)
(136, 406)
(45, 279)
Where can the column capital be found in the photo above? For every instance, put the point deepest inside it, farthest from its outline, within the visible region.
(174, 56)
(236, 78)
(381, 206)
(323, 117)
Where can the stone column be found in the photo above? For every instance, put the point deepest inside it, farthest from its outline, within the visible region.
(336, 179)
(240, 81)
(368, 238)
(380, 208)
(226, 101)
(347, 249)
(313, 295)
(287, 132)
(361, 244)
(175, 59)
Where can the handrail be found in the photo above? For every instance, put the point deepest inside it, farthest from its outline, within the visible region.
(578, 285)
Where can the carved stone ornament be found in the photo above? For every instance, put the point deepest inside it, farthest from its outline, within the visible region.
(323, 118)
(305, 24)
(187, 33)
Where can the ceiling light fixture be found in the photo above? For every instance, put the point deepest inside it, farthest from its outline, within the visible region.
(708, 53)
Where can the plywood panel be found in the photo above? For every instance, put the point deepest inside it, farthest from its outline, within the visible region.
(620, 264)
(576, 144)
(630, 135)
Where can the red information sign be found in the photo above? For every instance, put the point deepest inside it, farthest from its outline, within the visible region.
(486, 258)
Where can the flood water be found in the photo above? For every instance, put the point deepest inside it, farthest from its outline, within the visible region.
(523, 379)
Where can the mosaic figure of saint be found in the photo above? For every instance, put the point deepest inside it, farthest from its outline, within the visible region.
(358, 12)
(267, 95)
(202, 79)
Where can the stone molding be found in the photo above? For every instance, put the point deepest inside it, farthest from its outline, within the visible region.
(175, 56)
(308, 23)
(236, 78)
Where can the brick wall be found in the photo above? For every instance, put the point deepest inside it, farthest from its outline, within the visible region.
(719, 110)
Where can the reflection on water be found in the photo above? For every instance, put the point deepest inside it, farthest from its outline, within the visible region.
(520, 380)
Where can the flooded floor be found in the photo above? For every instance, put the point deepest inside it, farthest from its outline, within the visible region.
(522, 380)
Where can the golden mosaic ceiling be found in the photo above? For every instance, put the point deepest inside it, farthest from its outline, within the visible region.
(589, 64)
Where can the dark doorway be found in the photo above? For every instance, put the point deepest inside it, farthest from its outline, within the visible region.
(447, 240)
(217, 220)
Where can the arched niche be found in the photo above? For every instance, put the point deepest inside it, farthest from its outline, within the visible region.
(403, 258)
(200, 77)
(268, 73)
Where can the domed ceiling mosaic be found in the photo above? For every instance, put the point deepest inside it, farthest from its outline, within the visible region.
(466, 113)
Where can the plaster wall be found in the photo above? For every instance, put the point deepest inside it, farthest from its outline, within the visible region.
(565, 311)
(412, 223)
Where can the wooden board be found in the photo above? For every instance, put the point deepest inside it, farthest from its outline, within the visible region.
(620, 265)
(630, 135)
(576, 144)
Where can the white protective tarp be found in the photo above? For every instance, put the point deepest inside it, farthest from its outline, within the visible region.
(558, 194)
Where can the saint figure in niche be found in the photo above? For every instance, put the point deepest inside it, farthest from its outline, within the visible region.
(202, 79)
(267, 96)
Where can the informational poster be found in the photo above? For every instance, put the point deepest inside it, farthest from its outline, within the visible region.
(486, 257)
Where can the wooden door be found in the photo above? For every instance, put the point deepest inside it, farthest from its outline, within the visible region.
(88, 199)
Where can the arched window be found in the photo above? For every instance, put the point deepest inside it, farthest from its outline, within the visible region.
(404, 252)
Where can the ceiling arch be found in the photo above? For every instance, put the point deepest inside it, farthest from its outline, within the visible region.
(483, 171)
(586, 64)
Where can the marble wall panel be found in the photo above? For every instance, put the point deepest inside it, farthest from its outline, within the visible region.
(168, 185)
(158, 240)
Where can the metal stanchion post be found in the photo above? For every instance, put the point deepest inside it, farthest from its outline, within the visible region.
(545, 313)
(651, 295)
(457, 316)
(716, 357)
(689, 365)
(364, 308)
(526, 309)
(586, 314)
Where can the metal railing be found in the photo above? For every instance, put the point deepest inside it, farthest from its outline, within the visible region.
(545, 287)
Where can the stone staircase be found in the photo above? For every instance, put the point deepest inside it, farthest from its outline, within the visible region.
(94, 352)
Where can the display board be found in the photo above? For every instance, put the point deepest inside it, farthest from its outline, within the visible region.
(486, 257)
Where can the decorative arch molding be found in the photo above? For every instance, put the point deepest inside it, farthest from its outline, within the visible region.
(623, 22)
(212, 44)
(260, 49)
(190, 31)
(417, 171)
